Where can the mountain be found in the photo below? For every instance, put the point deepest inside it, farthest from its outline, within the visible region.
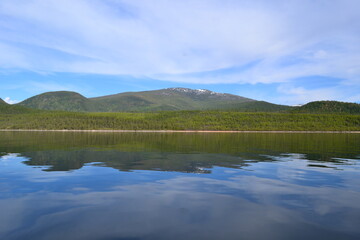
(171, 99)
(329, 107)
(14, 109)
(62, 100)
(168, 99)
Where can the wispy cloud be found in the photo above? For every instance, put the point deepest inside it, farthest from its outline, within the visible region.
(301, 95)
(185, 41)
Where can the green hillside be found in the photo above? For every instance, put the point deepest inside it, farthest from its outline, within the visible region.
(257, 106)
(174, 99)
(62, 100)
(170, 99)
(182, 120)
(20, 117)
(14, 109)
(329, 107)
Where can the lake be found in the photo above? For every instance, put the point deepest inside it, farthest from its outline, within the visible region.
(179, 186)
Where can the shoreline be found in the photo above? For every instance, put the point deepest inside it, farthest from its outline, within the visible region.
(170, 131)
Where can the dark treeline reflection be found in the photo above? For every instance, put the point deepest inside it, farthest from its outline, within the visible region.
(268, 186)
(183, 152)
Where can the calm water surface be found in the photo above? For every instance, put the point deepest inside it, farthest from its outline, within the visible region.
(179, 186)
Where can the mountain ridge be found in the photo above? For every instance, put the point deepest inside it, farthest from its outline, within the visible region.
(173, 99)
(329, 106)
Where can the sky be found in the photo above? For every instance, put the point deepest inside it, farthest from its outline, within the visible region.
(281, 51)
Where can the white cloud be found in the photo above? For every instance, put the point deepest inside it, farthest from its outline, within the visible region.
(293, 95)
(10, 101)
(172, 40)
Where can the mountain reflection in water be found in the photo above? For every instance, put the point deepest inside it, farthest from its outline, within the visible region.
(179, 186)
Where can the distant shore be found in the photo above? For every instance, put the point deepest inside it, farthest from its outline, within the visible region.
(167, 131)
(182, 122)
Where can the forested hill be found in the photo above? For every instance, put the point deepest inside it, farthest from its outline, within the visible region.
(170, 99)
(61, 100)
(173, 99)
(20, 117)
(14, 109)
(2, 101)
(329, 107)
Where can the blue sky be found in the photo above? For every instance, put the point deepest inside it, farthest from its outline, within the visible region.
(287, 52)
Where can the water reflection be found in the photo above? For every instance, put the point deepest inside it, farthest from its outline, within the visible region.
(174, 152)
(58, 186)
